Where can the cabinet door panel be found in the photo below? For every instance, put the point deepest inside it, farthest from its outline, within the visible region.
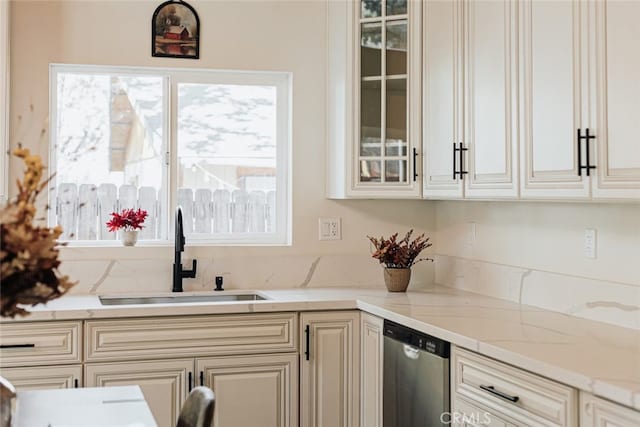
(163, 383)
(491, 103)
(253, 391)
(329, 380)
(371, 371)
(552, 94)
(596, 412)
(618, 99)
(442, 108)
(43, 377)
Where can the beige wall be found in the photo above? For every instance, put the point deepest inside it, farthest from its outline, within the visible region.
(545, 236)
(281, 36)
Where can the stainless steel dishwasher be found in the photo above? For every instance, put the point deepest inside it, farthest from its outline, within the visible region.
(416, 378)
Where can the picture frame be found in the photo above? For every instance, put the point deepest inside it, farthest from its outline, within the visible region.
(175, 31)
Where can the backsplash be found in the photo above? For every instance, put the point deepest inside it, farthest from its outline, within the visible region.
(600, 300)
(106, 276)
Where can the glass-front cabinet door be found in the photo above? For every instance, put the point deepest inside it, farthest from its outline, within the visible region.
(377, 141)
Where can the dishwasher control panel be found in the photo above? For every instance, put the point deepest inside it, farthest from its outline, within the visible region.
(416, 339)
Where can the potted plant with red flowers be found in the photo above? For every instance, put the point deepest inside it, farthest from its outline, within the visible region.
(398, 256)
(129, 221)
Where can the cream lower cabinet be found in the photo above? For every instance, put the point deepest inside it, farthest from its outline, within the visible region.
(41, 355)
(329, 369)
(249, 360)
(259, 390)
(44, 377)
(506, 395)
(371, 370)
(596, 412)
(465, 414)
(164, 383)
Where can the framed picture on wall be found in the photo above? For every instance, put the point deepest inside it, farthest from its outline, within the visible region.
(175, 31)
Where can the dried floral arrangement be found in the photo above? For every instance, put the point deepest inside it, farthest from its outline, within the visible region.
(129, 220)
(28, 252)
(394, 253)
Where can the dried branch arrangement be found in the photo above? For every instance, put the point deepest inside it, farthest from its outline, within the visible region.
(28, 252)
(394, 253)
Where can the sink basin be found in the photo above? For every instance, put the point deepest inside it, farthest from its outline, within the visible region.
(180, 299)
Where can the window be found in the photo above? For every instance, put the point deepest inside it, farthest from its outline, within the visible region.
(217, 143)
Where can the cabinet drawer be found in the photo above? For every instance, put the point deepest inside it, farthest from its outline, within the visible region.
(503, 389)
(43, 343)
(44, 377)
(596, 412)
(190, 336)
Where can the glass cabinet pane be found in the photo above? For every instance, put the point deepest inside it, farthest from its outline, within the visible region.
(370, 118)
(396, 118)
(370, 171)
(371, 50)
(396, 48)
(371, 8)
(395, 171)
(396, 7)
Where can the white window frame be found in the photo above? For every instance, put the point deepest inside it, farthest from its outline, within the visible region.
(282, 81)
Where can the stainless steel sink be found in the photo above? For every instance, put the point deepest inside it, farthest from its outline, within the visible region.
(180, 299)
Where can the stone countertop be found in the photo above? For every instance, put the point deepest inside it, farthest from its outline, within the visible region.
(591, 356)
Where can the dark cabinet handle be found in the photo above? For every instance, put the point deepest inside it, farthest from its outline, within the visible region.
(587, 138)
(460, 152)
(454, 161)
(17, 345)
(307, 333)
(190, 381)
(201, 378)
(415, 164)
(75, 383)
(491, 389)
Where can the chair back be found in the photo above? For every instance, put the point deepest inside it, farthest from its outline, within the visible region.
(197, 410)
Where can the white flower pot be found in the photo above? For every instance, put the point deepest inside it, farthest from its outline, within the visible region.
(129, 238)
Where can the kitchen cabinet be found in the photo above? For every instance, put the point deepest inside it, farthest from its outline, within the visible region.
(579, 73)
(41, 355)
(509, 394)
(597, 412)
(44, 377)
(371, 371)
(164, 383)
(465, 414)
(329, 369)
(617, 98)
(374, 116)
(470, 99)
(259, 390)
(249, 360)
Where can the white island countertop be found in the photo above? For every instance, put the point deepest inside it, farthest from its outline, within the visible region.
(591, 356)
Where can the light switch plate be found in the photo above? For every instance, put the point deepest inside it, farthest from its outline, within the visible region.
(590, 243)
(329, 229)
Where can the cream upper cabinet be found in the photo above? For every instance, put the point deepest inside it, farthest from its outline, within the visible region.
(374, 99)
(329, 369)
(371, 373)
(617, 100)
(470, 103)
(554, 89)
(596, 412)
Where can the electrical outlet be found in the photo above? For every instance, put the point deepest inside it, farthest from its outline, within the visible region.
(329, 229)
(471, 234)
(590, 243)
